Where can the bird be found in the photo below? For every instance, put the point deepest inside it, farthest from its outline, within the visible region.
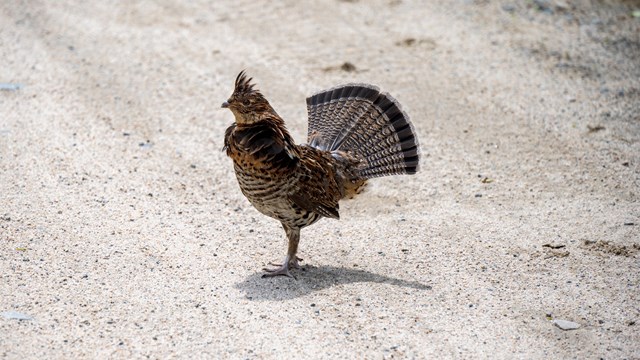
(355, 133)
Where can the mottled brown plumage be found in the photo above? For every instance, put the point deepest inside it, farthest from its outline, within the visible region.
(355, 133)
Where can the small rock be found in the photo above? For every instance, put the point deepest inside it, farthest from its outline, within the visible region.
(348, 67)
(146, 145)
(15, 315)
(561, 5)
(509, 8)
(10, 86)
(407, 42)
(596, 128)
(565, 324)
(554, 246)
(543, 6)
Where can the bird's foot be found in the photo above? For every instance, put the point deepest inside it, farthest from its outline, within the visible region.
(283, 269)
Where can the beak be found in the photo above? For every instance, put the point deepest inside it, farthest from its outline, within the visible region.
(225, 105)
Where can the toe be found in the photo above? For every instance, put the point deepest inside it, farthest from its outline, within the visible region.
(279, 271)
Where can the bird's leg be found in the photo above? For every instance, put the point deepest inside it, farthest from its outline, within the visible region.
(291, 260)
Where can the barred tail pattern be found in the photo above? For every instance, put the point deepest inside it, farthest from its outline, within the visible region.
(370, 125)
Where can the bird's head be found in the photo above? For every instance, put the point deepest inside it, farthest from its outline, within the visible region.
(247, 103)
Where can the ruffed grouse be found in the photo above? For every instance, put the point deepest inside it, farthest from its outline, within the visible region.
(355, 133)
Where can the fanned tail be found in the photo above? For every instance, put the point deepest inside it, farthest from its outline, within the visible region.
(370, 126)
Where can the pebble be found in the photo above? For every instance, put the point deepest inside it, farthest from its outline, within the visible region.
(10, 86)
(509, 8)
(565, 324)
(15, 315)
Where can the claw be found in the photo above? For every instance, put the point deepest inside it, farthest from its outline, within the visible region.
(282, 269)
(295, 264)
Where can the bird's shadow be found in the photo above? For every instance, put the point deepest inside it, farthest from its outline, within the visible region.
(311, 279)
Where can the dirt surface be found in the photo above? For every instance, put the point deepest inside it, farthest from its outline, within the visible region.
(123, 233)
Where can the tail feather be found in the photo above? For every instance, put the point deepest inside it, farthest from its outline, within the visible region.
(370, 125)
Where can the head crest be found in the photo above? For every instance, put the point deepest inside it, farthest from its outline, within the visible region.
(243, 84)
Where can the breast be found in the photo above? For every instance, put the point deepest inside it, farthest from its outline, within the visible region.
(267, 170)
(267, 191)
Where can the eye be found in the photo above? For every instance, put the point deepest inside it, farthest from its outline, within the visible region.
(246, 102)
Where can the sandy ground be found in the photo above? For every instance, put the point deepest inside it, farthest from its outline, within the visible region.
(123, 233)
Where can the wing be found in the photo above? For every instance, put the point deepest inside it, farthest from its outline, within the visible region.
(262, 142)
(318, 189)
